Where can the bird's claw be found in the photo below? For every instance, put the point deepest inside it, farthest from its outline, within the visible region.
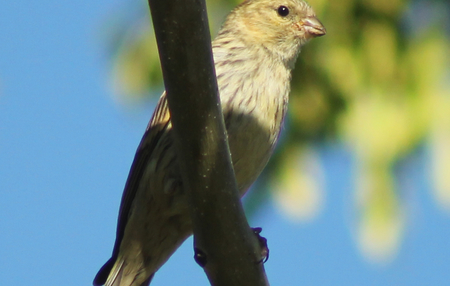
(262, 244)
(200, 257)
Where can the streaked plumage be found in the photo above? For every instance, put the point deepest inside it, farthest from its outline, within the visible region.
(254, 53)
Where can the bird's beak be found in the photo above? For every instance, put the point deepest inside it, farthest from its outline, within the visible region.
(313, 27)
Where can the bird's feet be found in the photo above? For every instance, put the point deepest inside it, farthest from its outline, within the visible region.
(262, 244)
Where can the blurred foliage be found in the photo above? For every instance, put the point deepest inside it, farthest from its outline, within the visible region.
(375, 82)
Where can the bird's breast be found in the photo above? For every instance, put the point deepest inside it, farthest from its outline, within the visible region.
(254, 102)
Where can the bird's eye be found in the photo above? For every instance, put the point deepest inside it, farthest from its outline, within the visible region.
(283, 11)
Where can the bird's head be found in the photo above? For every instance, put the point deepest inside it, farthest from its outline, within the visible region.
(281, 26)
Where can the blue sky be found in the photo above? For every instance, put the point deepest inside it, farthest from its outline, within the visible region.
(65, 152)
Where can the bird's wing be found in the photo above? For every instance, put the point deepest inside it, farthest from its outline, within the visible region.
(156, 127)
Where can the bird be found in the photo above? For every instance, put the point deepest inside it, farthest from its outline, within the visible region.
(254, 53)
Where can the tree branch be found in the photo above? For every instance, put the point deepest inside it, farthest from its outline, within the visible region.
(222, 237)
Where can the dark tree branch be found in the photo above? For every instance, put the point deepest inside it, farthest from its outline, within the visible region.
(222, 236)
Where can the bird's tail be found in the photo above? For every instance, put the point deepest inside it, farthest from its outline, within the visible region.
(103, 273)
(115, 275)
(111, 275)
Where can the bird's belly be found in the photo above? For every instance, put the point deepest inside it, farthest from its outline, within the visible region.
(251, 145)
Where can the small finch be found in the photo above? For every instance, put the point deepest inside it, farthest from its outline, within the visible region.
(254, 53)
